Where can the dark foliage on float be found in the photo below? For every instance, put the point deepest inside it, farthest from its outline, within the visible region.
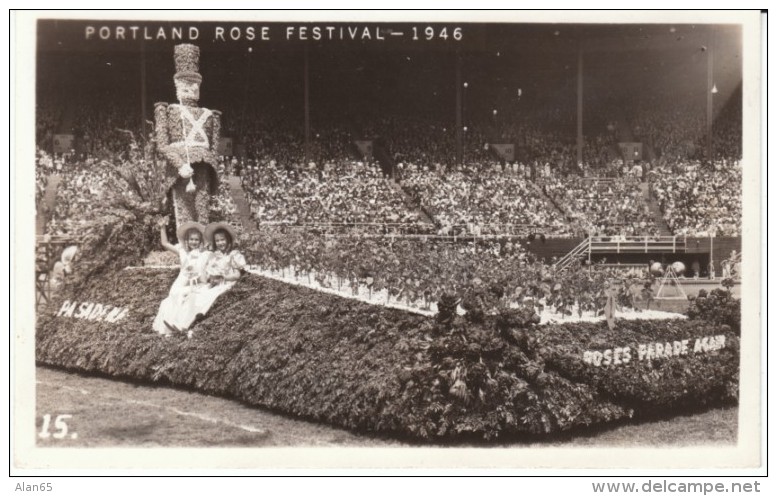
(378, 369)
(682, 372)
(718, 307)
(119, 228)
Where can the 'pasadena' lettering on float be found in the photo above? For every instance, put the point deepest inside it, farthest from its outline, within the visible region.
(92, 311)
(651, 351)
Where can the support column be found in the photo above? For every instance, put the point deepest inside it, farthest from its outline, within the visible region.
(580, 106)
(710, 84)
(143, 104)
(459, 123)
(307, 109)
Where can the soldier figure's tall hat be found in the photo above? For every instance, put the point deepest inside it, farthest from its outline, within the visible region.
(187, 62)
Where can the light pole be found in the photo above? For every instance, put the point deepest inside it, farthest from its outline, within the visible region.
(464, 121)
(580, 106)
(307, 106)
(459, 158)
(711, 90)
(144, 136)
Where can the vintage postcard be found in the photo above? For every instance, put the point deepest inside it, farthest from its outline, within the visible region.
(503, 240)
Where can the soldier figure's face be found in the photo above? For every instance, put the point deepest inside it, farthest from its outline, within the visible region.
(187, 91)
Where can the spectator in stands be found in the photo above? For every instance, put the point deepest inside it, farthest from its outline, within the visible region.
(345, 192)
(479, 195)
(609, 208)
(700, 199)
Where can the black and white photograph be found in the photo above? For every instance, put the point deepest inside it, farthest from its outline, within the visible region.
(514, 240)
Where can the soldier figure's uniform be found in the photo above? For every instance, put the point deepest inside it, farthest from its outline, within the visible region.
(187, 137)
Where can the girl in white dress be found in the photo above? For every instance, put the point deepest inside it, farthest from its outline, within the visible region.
(174, 310)
(224, 267)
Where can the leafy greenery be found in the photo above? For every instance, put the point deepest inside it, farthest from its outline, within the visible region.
(378, 369)
(718, 307)
(486, 275)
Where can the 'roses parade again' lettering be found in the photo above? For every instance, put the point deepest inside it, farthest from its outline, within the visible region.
(92, 311)
(654, 351)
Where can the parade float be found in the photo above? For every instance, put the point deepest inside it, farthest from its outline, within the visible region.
(486, 372)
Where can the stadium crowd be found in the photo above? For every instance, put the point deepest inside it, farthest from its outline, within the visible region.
(46, 120)
(614, 207)
(543, 190)
(344, 192)
(672, 127)
(699, 199)
(484, 198)
(83, 185)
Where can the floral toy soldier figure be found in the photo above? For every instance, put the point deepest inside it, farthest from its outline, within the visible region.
(187, 137)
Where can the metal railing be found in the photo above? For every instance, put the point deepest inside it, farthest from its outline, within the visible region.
(622, 244)
(637, 244)
(582, 249)
(456, 230)
(355, 227)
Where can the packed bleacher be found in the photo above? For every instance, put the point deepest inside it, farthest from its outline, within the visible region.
(84, 185)
(614, 207)
(543, 190)
(672, 127)
(344, 192)
(87, 183)
(727, 129)
(47, 117)
(699, 199)
(107, 132)
(44, 167)
(265, 137)
(484, 198)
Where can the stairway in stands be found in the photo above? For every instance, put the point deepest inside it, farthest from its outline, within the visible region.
(550, 202)
(655, 210)
(423, 216)
(47, 203)
(241, 202)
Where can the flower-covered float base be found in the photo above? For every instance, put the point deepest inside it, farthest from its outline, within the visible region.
(377, 369)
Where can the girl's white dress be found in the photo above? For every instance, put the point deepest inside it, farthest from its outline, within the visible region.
(224, 265)
(177, 308)
(221, 265)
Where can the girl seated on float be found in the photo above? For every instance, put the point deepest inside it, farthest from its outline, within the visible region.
(224, 268)
(175, 309)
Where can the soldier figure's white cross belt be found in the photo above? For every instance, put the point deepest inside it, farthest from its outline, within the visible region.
(196, 135)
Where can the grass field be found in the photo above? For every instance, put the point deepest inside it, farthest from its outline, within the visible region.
(111, 413)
